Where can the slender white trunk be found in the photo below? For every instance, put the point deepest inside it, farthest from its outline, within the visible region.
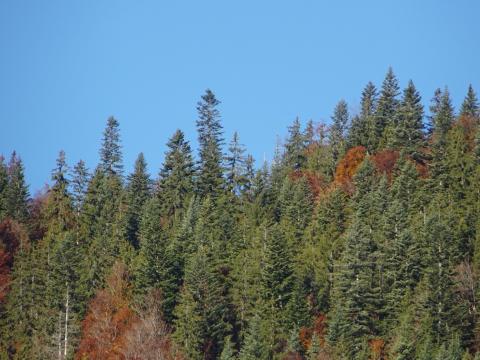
(66, 327)
(59, 336)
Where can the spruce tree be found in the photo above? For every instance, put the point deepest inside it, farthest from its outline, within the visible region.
(386, 112)
(235, 162)
(3, 188)
(409, 131)
(338, 131)
(294, 155)
(17, 194)
(110, 153)
(470, 106)
(368, 133)
(210, 177)
(137, 192)
(79, 184)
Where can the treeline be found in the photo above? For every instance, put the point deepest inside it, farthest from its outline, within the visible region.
(359, 241)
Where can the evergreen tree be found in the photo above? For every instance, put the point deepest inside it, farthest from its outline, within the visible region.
(17, 192)
(470, 106)
(409, 131)
(138, 192)
(236, 166)
(368, 132)
(210, 131)
(175, 182)
(3, 189)
(294, 156)
(79, 183)
(386, 112)
(276, 270)
(110, 153)
(201, 313)
(338, 131)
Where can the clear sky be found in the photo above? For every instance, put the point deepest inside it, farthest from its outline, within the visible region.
(65, 66)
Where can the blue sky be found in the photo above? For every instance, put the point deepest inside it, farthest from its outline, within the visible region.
(65, 66)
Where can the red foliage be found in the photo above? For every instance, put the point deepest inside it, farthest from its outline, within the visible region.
(468, 125)
(112, 330)
(37, 222)
(315, 181)
(319, 328)
(347, 167)
(108, 317)
(385, 162)
(12, 236)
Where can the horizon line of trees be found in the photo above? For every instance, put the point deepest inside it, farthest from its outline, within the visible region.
(359, 241)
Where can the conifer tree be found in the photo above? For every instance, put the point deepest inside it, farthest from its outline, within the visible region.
(470, 106)
(368, 133)
(409, 130)
(338, 131)
(79, 183)
(137, 192)
(210, 131)
(110, 153)
(17, 192)
(175, 182)
(236, 176)
(294, 156)
(201, 302)
(386, 112)
(3, 188)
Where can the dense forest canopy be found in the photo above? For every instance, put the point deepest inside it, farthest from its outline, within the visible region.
(360, 240)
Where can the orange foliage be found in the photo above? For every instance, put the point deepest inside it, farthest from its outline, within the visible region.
(377, 347)
(315, 181)
(385, 162)
(12, 236)
(112, 330)
(347, 167)
(468, 125)
(108, 317)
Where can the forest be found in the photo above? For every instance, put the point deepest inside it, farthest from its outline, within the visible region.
(359, 240)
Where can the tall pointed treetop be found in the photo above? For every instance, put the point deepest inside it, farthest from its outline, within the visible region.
(111, 151)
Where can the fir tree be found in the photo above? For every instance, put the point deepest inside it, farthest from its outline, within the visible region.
(338, 131)
(386, 112)
(79, 183)
(175, 182)
(470, 106)
(210, 131)
(409, 131)
(110, 153)
(138, 192)
(295, 147)
(17, 192)
(236, 166)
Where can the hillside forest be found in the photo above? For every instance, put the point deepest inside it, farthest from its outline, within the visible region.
(359, 240)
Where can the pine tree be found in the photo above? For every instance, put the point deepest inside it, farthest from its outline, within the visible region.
(110, 153)
(138, 192)
(210, 131)
(409, 131)
(470, 106)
